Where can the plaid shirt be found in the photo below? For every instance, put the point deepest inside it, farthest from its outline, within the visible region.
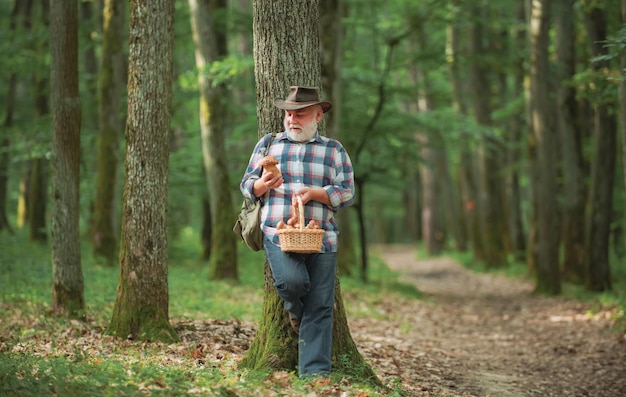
(321, 162)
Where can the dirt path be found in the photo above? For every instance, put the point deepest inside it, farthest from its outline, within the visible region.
(485, 335)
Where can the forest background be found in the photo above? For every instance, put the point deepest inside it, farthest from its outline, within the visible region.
(494, 129)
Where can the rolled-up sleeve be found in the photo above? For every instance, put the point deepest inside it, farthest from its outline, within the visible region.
(341, 191)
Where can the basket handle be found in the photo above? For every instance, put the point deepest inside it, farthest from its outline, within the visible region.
(300, 212)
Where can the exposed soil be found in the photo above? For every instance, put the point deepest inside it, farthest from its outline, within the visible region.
(486, 335)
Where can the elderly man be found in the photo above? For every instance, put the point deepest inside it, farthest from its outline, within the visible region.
(318, 170)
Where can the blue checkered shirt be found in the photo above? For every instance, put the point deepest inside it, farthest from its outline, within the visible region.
(321, 162)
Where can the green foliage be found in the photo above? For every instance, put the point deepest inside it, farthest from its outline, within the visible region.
(84, 376)
(222, 72)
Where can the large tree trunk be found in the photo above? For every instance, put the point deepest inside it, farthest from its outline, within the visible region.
(491, 204)
(603, 169)
(211, 46)
(286, 52)
(432, 176)
(67, 276)
(574, 194)
(141, 307)
(111, 86)
(548, 275)
(468, 219)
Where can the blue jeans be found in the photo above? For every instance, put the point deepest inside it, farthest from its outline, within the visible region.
(306, 284)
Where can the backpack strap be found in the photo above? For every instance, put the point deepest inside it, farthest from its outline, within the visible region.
(266, 149)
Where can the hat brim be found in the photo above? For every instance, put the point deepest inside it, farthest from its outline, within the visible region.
(287, 105)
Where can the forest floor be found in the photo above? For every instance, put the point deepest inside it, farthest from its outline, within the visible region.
(470, 335)
(487, 335)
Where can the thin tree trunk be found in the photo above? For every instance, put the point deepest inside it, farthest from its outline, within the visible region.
(548, 275)
(205, 234)
(111, 86)
(331, 13)
(433, 178)
(515, 153)
(38, 198)
(22, 200)
(141, 307)
(5, 143)
(490, 205)
(622, 99)
(412, 203)
(574, 195)
(211, 47)
(468, 219)
(67, 276)
(603, 169)
(39, 172)
(89, 71)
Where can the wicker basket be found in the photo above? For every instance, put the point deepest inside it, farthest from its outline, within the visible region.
(302, 240)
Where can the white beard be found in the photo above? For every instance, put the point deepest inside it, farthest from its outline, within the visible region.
(306, 133)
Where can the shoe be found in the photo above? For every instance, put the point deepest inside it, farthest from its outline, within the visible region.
(295, 324)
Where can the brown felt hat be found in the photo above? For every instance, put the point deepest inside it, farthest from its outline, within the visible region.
(302, 97)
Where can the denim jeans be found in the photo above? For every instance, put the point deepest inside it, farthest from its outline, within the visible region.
(306, 284)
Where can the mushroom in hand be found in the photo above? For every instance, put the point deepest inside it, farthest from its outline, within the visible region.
(269, 164)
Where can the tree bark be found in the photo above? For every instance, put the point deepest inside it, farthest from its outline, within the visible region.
(67, 276)
(468, 218)
(437, 194)
(490, 204)
(89, 24)
(5, 142)
(38, 189)
(286, 52)
(515, 153)
(431, 170)
(141, 309)
(33, 199)
(574, 192)
(39, 172)
(111, 86)
(548, 275)
(210, 42)
(603, 168)
(622, 102)
(37, 197)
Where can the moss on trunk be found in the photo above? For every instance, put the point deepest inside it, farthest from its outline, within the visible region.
(142, 322)
(275, 346)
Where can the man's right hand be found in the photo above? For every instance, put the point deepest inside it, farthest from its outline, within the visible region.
(266, 182)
